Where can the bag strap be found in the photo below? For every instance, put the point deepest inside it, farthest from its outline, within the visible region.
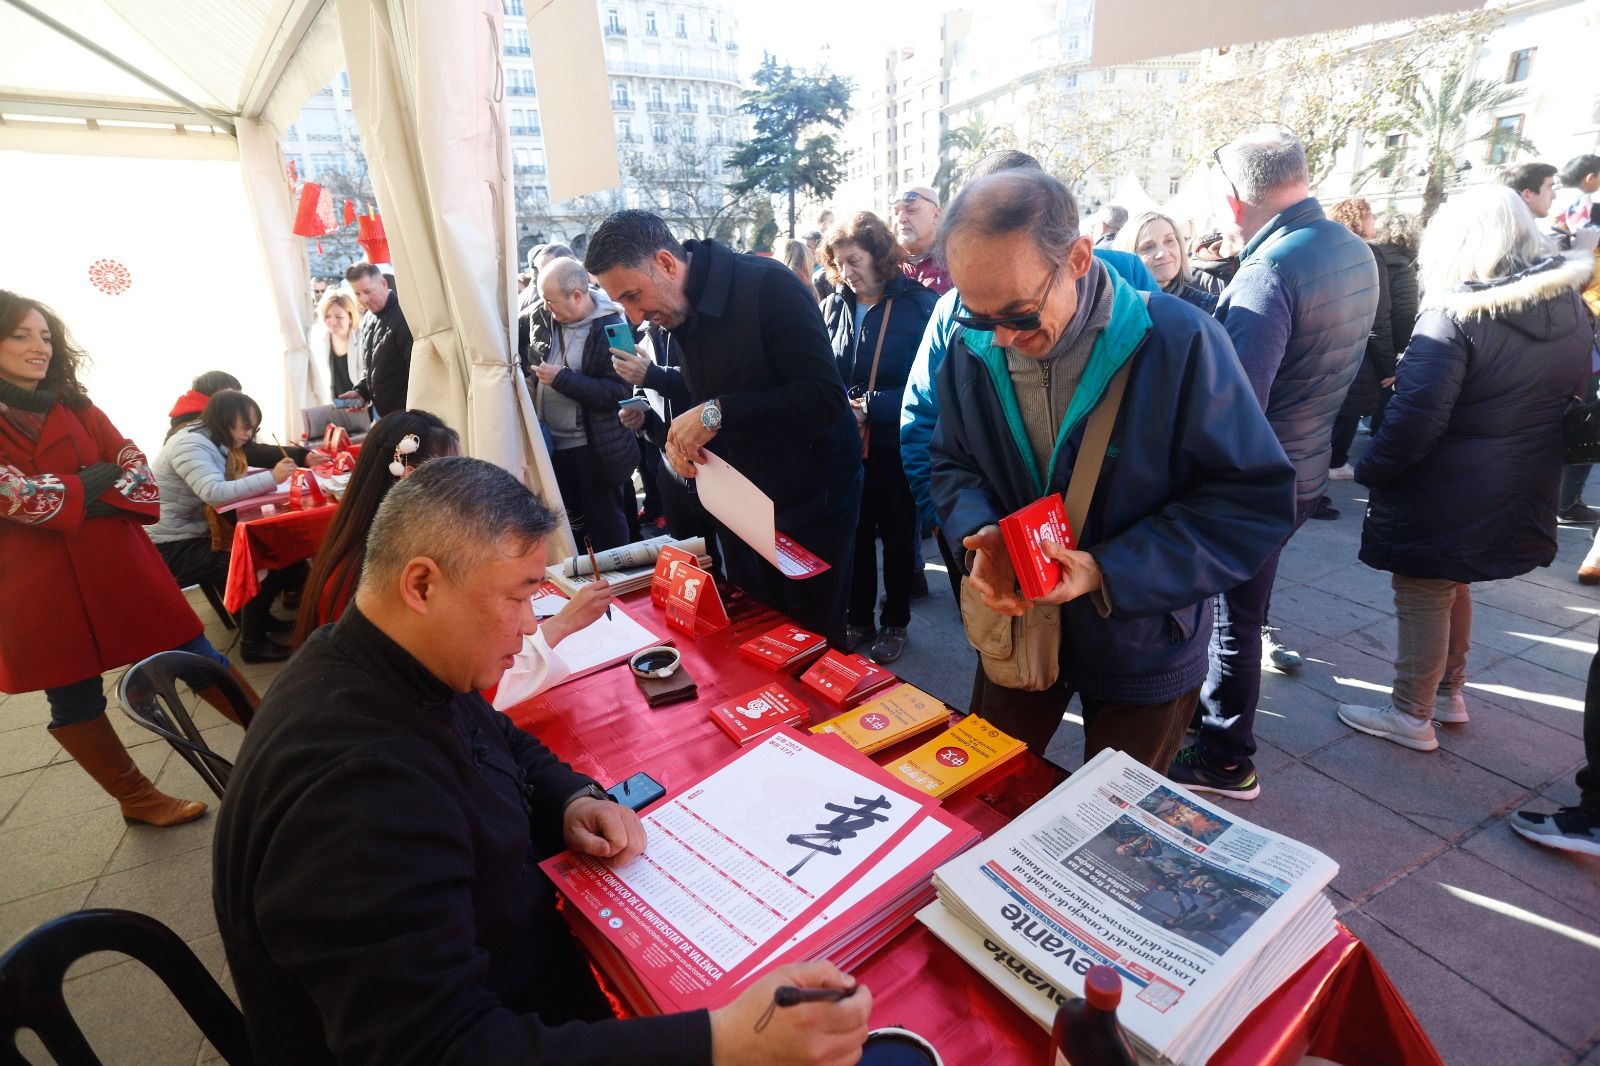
(1092, 453)
(877, 351)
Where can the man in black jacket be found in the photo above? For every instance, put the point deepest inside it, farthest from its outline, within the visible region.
(767, 397)
(578, 390)
(385, 342)
(375, 867)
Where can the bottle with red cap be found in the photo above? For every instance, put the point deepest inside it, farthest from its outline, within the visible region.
(1086, 1032)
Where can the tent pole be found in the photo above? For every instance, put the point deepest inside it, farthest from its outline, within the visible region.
(211, 118)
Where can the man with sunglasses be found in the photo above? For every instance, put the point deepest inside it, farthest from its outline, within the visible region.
(1194, 493)
(915, 213)
(1299, 312)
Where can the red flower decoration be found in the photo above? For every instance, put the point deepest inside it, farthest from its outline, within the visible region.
(110, 277)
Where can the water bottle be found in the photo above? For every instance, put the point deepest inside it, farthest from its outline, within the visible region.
(1086, 1032)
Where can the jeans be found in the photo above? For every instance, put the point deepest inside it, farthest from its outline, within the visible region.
(1435, 631)
(889, 514)
(1148, 732)
(595, 509)
(1573, 478)
(1588, 778)
(1233, 682)
(1344, 435)
(84, 701)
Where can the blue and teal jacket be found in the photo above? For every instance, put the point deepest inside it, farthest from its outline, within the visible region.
(1194, 495)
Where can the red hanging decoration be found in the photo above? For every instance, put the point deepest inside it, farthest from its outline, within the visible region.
(308, 219)
(349, 212)
(370, 235)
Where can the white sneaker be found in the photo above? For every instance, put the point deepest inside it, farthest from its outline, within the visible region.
(1390, 724)
(1284, 658)
(1451, 710)
(1342, 473)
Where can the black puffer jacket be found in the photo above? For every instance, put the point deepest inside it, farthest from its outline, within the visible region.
(1465, 470)
(912, 306)
(1401, 269)
(1377, 364)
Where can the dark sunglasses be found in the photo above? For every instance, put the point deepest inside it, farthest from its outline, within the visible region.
(911, 196)
(1025, 322)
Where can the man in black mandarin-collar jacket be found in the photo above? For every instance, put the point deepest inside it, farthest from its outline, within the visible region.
(759, 368)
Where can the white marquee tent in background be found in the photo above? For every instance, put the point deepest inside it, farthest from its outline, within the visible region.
(146, 198)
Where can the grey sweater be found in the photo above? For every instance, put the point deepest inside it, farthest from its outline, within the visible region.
(190, 474)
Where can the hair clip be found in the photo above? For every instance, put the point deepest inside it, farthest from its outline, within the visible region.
(408, 444)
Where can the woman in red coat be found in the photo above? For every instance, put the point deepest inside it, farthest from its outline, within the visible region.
(82, 589)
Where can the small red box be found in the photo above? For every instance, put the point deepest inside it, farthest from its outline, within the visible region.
(1043, 519)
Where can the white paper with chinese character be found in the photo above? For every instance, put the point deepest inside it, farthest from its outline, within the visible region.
(739, 862)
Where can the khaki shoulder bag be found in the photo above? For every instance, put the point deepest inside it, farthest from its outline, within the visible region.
(872, 377)
(1025, 653)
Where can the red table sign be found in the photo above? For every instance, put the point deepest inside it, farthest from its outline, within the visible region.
(693, 605)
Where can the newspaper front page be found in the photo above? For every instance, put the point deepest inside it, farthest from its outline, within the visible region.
(1120, 867)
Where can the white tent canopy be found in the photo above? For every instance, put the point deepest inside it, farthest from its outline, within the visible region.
(185, 80)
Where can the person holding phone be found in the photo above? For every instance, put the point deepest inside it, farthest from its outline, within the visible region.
(576, 395)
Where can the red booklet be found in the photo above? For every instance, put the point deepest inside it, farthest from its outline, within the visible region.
(1043, 519)
(843, 679)
(784, 646)
(757, 713)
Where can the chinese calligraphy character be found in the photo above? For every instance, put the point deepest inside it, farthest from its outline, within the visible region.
(848, 822)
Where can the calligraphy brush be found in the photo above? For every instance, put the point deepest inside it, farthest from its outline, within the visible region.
(594, 569)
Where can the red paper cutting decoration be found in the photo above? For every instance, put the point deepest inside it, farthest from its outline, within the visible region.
(110, 277)
(349, 212)
(370, 235)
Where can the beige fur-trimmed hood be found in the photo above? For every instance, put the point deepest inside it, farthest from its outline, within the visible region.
(1517, 292)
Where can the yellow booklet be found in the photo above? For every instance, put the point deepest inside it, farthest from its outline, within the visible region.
(903, 711)
(966, 751)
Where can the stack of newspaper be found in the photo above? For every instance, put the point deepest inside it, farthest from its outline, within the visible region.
(626, 567)
(1202, 913)
(795, 848)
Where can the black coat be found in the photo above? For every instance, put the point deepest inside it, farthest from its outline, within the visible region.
(1377, 362)
(1465, 469)
(386, 345)
(908, 318)
(598, 389)
(1402, 272)
(755, 341)
(375, 876)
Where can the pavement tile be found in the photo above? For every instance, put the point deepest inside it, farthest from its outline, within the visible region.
(174, 890)
(1435, 906)
(128, 1014)
(1294, 717)
(22, 916)
(65, 789)
(1532, 691)
(1317, 611)
(1539, 602)
(29, 710)
(1568, 877)
(144, 844)
(1569, 654)
(1359, 582)
(27, 749)
(1439, 791)
(1337, 821)
(1526, 751)
(12, 786)
(1468, 1027)
(59, 852)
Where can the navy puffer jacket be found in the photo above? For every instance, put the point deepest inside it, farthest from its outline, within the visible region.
(1465, 470)
(1299, 312)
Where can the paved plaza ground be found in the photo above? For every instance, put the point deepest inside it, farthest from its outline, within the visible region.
(1495, 943)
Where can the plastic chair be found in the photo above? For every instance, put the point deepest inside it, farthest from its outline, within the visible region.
(148, 693)
(31, 976)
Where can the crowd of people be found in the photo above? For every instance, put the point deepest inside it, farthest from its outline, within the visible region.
(1188, 395)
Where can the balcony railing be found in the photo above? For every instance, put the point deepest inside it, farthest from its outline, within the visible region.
(528, 169)
(616, 31)
(527, 131)
(517, 50)
(718, 109)
(686, 109)
(623, 104)
(670, 70)
(658, 107)
(521, 90)
(629, 138)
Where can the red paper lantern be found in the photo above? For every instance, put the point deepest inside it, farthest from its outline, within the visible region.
(308, 220)
(370, 235)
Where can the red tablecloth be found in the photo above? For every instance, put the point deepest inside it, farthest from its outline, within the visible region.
(271, 542)
(1341, 1005)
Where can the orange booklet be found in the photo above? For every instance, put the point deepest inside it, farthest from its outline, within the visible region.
(899, 713)
(958, 756)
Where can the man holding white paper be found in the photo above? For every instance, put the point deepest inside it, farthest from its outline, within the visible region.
(768, 398)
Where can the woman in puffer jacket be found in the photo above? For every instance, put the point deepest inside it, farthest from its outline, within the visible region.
(192, 473)
(1465, 469)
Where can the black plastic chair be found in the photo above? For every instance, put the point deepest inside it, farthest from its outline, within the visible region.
(31, 976)
(148, 693)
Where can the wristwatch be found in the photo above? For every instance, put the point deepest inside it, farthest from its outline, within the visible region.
(711, 415)
(590, 791)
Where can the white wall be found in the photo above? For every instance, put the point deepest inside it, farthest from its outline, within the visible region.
(199, 297)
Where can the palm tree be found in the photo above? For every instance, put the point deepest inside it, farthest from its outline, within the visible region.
(1435, 122)
(963, 146)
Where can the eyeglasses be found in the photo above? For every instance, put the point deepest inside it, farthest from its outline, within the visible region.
(1025, 322)
(911, 196)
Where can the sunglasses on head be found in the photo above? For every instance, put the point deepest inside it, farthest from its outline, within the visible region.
(1022, 322)
(911, 196)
